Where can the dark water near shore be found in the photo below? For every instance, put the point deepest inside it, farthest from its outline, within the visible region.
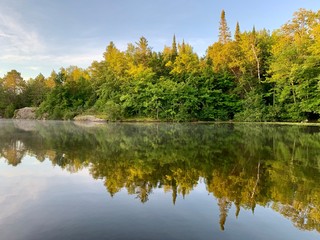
(65, 180)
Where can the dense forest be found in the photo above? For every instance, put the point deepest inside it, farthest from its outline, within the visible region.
(250, 76)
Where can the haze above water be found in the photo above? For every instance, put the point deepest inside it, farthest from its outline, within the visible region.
(62, 180)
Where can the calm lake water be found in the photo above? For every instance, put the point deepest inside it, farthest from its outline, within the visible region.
(62, 180)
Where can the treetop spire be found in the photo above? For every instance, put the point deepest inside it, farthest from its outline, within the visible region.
(224, 32)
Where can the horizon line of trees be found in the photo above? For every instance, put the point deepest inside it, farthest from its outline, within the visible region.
(253, 76)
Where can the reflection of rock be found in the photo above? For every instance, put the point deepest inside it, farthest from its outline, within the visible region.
(88, 118)
(88, 123)
(25, 113)
(26, 125)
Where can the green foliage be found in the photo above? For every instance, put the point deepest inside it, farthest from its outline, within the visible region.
(294, 69)
(253, 108)
(9, 111)
(113, 110)
(3, 98)
(36, 91)
(68, 98)
(12, 88)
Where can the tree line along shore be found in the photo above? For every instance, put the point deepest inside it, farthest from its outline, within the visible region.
(254, 76)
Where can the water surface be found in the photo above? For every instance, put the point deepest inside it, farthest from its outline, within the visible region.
(62, 180)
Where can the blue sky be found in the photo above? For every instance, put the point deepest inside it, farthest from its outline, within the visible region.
(44, 35)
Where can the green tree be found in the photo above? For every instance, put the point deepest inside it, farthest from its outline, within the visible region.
(115, 60)
(13, 87)
(142, 52)
(237, 33)
(36, 91)
(186, 63)
(174, 49)
(13, 82)
(72, 95)
(294, 74)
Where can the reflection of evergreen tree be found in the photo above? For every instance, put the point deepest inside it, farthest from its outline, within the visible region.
(174, 191)
(224, 206)
(241, 164)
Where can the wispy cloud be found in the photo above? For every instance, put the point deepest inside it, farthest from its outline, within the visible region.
(14, 57)
(16, 37)
(24, 48)
(33, 68)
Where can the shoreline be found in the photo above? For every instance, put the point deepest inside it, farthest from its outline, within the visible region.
(103, 121)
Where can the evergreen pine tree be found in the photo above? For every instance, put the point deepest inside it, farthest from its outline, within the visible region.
(224, 33)
(237, 33)
(254, 30)
(174, 49)
(183, 47)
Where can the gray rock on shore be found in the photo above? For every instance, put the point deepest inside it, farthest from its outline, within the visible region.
(88, 118)
(25, 113)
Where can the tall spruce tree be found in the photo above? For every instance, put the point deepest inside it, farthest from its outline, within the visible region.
(224, 32)
(237, 33)
(174, 49)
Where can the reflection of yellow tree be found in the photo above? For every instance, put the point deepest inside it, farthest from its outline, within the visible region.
(244, 165)
(183, 179)
(140, 178)
(14, 153)
(224, 206)
(238, 185)
(296, 195)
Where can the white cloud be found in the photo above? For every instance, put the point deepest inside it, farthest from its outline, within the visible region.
(80, 59)
(15, 193)
(15, 57)
(16, 37)
(33, 68)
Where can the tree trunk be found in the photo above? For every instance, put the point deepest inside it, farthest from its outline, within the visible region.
(257, 60)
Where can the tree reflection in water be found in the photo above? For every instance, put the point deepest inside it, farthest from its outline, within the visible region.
(241, 164)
